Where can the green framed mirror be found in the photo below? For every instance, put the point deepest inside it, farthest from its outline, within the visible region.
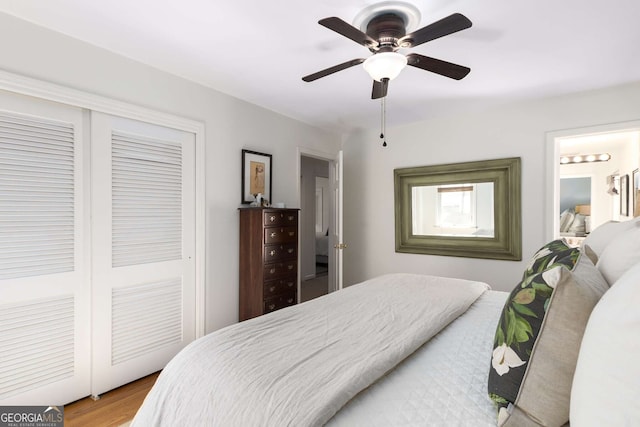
(470, 209)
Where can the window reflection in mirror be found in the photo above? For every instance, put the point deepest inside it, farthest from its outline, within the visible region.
(453, 210)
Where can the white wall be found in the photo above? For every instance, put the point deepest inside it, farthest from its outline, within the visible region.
(630, 160)
(230, 124)
(517, 130)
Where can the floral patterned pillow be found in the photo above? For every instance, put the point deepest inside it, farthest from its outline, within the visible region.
(522, 318)
(547, 256)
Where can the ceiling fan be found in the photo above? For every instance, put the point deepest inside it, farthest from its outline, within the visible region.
(384, 33)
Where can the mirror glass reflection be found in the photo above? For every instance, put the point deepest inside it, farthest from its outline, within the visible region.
(465, 209)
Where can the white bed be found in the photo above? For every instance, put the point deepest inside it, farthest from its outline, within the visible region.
(300, 365)
(414, 350)
(455, 360)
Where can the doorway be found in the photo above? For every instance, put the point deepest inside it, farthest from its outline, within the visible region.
(314, 222)
(600, 155)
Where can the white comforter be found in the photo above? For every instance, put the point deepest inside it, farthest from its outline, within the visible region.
(300, 365)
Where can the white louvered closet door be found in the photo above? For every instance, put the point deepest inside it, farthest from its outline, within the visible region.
(44, 289)
(143, 266)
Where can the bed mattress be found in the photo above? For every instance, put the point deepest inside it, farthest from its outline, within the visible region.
(444, 383)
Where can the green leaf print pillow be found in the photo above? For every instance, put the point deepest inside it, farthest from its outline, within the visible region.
(538, 337)
(549, 255)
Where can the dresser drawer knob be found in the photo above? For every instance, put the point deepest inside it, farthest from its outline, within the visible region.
(272, 218)
(289, 267)
(291, 217)
(273, 252)
(292, 233)
(290, 300)
(272, 289)
(271, 306)
(272, 271)
(290, 250)
(273, 234)
(290, 284)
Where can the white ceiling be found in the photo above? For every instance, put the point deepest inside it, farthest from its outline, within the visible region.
(258, 50)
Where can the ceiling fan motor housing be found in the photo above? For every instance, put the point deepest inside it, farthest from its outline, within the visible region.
(386, 28)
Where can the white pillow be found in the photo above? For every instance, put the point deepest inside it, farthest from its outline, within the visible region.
(620, 254)
(606, 384)
(578, 224)
(599, 238)
(566, 219)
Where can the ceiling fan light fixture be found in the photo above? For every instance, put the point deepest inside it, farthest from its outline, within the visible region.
(385, 65)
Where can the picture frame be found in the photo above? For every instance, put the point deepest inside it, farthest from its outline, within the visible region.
(256, 176)
(636, 192)
(624, 195)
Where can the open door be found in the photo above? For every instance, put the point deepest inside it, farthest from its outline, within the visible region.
(336, 242)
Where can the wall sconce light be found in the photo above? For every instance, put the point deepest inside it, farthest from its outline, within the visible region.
(585, 158)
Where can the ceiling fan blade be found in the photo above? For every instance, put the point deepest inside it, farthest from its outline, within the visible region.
(331, 70)
(438, 66)
(343, 28)
(379, 89)
(449, 25)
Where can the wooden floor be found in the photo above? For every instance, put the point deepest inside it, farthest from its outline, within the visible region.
(112, 409)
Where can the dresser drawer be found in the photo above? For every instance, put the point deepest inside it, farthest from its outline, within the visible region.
(280, 286)
(278, 270)
(281, 218)
(274, 253)
(280, 235)
(278, 302)
(269, 255)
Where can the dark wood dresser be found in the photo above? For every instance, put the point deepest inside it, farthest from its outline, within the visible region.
(268, 260)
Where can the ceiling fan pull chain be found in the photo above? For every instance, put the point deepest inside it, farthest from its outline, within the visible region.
(383, 119)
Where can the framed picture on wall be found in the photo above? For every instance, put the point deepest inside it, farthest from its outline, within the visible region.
(256, 176)
(624, 195)
(636, 192)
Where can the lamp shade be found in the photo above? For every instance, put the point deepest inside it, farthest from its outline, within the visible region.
(385, 65)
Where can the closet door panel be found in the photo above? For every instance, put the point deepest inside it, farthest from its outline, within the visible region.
(44, 283)
(143, 201)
